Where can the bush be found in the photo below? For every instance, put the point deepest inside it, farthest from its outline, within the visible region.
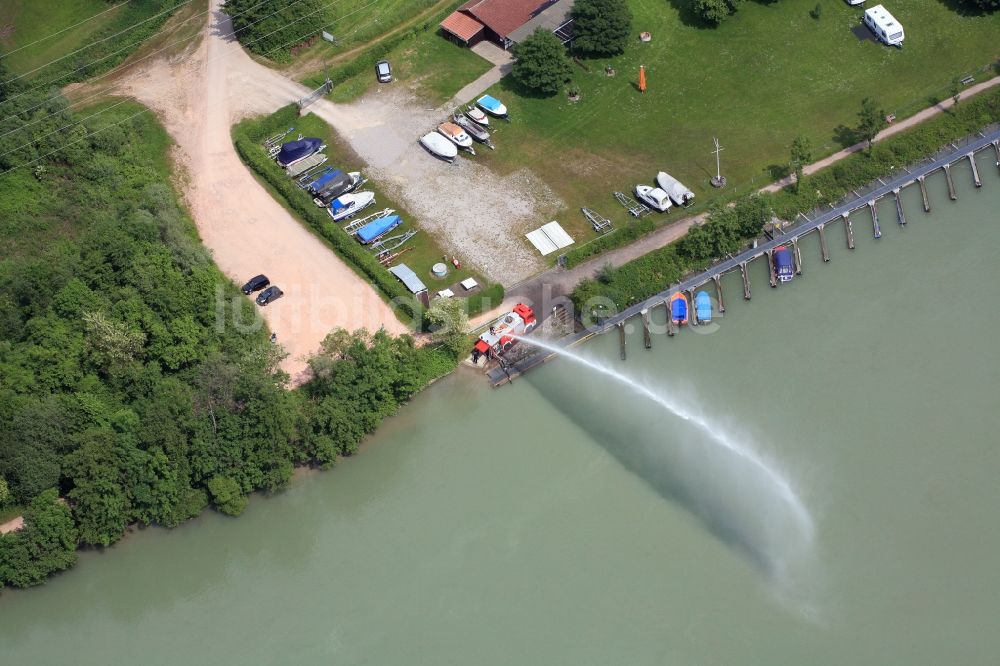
(272, 28)
(601, 27)
(619, 237)
(541, 64)
(227, 496)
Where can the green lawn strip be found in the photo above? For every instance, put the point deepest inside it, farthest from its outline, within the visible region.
(769, 73)
(432, 67)
(248, 136)
(641, 278)
(36, 20)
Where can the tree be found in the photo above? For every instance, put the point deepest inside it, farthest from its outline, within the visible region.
(4, 491)
(871, 120)
(716, 11)
(227, 495)
(46, 543)
(541, 63)
(601, 27)
(450, 323)
(801, 153)
(956, 89)
(982, 5)
(272, 28)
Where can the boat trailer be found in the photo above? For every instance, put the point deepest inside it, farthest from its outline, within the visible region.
(353, 227)
(634, 208)
(598, 221)
(385, 246)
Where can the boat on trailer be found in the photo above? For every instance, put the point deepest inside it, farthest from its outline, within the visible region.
(375, 229)
(305, 164)
(296, 151)
(348, 205)
(473, 129)
(338, 186)
(457, 135)
(477, 116)
(677, 192)
(678, 308)
(492, 106)
(703, 306)
(439, 146)
(783, 268)
(654, 197)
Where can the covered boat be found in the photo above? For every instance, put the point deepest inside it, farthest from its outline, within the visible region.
(653, 197)
(783, 268)
(323, 179)
(475, 130)
(349, 205)
(457, 135)
(440, 146)
(378, 228)
(492, 106)
(677, 192)
(477, 116)
(703, 306)
(293, 151)
(678, 308)
(340, 184)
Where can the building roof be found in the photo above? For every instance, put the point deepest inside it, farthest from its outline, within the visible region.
(553, 17)
(408, 278)
(462, 26)
(504, 16)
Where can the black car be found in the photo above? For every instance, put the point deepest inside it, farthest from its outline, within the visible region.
(269, 295)
(383, 71)
(255, 284)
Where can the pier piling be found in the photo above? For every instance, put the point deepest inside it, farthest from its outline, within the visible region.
(975, 170)
(900, 217)
(621, 338)
(951, 183)
(647, 339)
(923, 194)
(718, 292)
(692, 313)
(746, 281)
(996, 150)
(822, 242)
(848, 230)
(770, 269)
(876, 229)
(670, 320)
(797, 256)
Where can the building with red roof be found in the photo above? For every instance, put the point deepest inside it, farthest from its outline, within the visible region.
(507, 21)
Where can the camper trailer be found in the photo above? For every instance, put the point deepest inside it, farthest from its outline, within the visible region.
(886, 28)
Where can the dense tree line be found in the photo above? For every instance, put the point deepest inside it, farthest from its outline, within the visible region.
(122, 401)
(272, 28)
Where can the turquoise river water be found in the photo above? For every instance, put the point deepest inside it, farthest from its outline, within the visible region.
(842, 510)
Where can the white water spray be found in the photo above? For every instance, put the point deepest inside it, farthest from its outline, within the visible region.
(716, 436)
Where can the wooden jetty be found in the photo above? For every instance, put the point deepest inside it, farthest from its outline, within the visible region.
(621, 337)
(797, 256)
(951, 183)
(647, 339)
(499, 376)
(900, 217)
(770, 269)
(876, 229)
(975, 170)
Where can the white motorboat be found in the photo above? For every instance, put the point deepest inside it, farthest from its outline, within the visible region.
(438, 145)
(457, 135)
(492, 106)
(349, 205)
(677, 192)
(654, 197)
(477, 116)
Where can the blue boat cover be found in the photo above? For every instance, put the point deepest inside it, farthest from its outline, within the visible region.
(296, 150)
(339, 205)
(783, 261)
(321, 182)
(679, 309)
(703, 306)
(376, 228)
(489, 102)
(318, 176)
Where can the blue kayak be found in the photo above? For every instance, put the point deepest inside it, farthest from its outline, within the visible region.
(703, 306)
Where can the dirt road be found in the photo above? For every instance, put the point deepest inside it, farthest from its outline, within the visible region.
(199, 96)
(12, 525)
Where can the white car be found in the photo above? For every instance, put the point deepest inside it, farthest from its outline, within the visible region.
(654, 197)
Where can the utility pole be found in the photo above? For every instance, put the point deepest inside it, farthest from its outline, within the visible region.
(718, 180)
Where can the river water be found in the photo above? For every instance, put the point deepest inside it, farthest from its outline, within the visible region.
(567, 519)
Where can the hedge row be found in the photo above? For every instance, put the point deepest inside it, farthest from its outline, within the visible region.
(618, 238)
(358, 258)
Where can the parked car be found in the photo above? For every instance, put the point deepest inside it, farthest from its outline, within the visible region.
(383, 71)
(269, 295)
(255, 283)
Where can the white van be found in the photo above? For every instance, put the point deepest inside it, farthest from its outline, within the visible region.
(886, 28)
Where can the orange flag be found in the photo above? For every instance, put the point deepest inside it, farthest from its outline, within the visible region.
(642, 78)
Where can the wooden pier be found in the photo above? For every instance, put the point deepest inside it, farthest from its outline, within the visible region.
(951, 183)
(503, 375)
(975, 170)
(876, 229)
(996, 151)
(797, 256)
(647, 339)
(692, 311)
(900, 217)
(770, 269)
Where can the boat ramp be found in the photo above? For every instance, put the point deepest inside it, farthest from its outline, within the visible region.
(817, 222)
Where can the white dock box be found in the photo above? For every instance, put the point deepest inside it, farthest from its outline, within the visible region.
(886, 28)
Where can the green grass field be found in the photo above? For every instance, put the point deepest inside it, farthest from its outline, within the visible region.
(768, 74)
(433, 68)
(23, 22)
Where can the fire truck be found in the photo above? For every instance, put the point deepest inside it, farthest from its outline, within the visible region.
(501, 335)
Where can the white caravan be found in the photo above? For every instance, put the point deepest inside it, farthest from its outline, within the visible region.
(886, 28)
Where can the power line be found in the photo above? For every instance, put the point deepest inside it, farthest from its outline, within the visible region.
(62, 76)
(145, 110)
(84, 48)
(38, 41)
(83, 67)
